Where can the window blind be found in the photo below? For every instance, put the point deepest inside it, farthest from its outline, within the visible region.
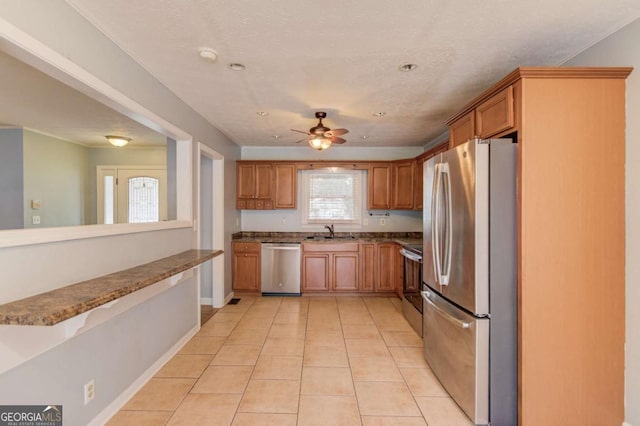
(332, 196)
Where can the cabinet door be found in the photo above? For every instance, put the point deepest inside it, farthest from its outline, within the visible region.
(380, 186)
(386, 267)
(418, 185)
(264, 182)
(286, 179)
(398, 269)
(246, 271)
(367, 266)
(496, 114)
(315, 272)
(246, 181)
(403, 179)
(462, 129)
(345, 272)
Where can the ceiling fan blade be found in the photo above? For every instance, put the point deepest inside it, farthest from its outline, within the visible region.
(335, 132)
(337, 140)
(302, 140)
(300, 131)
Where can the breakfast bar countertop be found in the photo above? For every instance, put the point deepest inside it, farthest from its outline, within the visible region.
(55, 306)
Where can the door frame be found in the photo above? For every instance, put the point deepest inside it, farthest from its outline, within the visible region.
(217, 228)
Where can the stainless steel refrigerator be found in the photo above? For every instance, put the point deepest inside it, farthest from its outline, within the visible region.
(469, 277)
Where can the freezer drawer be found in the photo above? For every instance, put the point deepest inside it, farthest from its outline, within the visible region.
(456, 347)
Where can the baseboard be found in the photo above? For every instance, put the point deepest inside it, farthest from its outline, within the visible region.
(110, 410)
(206, 301)
(229, 297)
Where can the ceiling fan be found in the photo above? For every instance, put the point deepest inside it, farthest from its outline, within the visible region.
(320, 136)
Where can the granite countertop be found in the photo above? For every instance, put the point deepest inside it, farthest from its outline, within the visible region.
(403, 238)
(66, 302)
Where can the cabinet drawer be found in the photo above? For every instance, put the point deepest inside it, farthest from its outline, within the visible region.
(496, 114)
(246, 247)
(329, 247)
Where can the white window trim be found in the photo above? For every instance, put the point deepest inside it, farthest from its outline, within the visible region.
(360, 178)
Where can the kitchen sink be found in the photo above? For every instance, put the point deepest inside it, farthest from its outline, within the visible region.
(326, 237)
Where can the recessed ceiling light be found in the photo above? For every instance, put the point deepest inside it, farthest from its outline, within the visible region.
(378, 114)
(364, 136)
(262, 113)
(276, 136)
(407, 67)
(236, 66)
(208, 53)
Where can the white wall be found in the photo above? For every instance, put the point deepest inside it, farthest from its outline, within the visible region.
(56, 173)
(621, 49)
(289, 220)
(28, 270)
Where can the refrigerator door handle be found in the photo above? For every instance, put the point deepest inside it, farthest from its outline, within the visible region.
(445, 271)
(443, 313)
(435, 215)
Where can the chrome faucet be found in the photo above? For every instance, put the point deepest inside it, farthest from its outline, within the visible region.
(331, 231)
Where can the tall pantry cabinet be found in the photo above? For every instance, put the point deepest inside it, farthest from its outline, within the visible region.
(570, 127)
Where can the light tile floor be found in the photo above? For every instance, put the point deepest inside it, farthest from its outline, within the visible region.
(297, 361)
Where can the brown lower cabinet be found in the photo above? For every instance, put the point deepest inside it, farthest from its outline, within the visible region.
(330, 267)
(380, 270)
(245, 266)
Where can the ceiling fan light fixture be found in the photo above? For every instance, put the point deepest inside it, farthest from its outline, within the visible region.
(320, 143)
(118, 141)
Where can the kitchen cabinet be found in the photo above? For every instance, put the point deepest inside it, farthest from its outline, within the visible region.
(386, 265)
(418, 191)
(285, 186)
(245, 269)
(330, 267)
(496, 114)
(254, 186)
(402, 173)
(491, 117)
(398, 269)
(462, 129)
(379, 186)
(368, 268)
(571, 236)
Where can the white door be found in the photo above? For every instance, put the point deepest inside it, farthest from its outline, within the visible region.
(141, 195)
(131, 195)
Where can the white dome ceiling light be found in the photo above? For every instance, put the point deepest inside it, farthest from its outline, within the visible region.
(208, 54)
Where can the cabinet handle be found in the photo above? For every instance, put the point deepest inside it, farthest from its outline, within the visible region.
(245, 255)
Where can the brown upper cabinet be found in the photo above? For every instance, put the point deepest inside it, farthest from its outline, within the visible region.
(286, 186)
(403, 175)
(493, 117)
(254, 182)
(419, 172)
(379, 186)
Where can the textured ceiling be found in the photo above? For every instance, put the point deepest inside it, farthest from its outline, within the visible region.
(36, 101)
(342, 57)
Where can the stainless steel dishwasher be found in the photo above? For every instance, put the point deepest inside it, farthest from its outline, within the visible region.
(280, 269)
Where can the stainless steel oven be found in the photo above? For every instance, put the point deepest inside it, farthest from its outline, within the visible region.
(412, 285)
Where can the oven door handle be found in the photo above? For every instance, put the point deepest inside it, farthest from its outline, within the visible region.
(410, 255)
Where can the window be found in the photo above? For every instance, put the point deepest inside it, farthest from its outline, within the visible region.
(331, 196)
(144, 200)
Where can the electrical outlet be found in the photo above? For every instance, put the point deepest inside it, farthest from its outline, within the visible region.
(89, 391)
(383, 222)
(35, 220)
